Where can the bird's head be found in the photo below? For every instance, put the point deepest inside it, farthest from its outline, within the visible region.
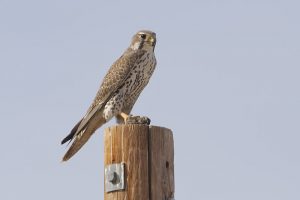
(143, 40)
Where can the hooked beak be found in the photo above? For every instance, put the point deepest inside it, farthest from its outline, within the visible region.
(152, 40)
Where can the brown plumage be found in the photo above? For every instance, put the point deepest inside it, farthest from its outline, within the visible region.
(119, 90)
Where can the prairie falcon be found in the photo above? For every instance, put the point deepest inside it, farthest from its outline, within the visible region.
(119, 90)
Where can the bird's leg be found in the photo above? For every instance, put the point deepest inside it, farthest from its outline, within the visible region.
(124, 116)
(130, 119)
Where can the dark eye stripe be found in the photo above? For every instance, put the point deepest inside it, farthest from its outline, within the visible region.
(141, 44)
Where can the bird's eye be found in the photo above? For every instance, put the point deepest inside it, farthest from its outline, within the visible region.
(143, 36)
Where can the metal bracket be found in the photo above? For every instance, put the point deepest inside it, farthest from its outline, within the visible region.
(114, 177)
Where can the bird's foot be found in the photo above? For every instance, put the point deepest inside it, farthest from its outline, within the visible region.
(137, 120)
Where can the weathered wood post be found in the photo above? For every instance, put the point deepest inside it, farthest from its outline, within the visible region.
(139, 163)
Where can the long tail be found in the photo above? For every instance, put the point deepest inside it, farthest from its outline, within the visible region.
(80, 138)
(71, 134)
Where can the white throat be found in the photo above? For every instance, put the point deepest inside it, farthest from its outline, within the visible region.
(135, 46)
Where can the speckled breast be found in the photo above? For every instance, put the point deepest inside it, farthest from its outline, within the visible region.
(139, 78)
(126, 96)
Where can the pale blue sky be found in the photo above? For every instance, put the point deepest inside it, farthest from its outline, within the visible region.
(226, 83)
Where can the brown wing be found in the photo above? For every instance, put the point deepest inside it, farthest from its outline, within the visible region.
(113, 80)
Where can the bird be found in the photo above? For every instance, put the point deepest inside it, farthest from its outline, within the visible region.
(118, 92)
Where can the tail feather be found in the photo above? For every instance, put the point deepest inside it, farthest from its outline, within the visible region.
(71, 134)
(82, 137)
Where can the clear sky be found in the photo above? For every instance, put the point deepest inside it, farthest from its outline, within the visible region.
(226, 83)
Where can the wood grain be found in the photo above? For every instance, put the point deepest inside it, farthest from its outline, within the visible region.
(161, 154)
(148, 154)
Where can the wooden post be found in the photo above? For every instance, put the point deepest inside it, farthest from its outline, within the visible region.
(148, 154)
